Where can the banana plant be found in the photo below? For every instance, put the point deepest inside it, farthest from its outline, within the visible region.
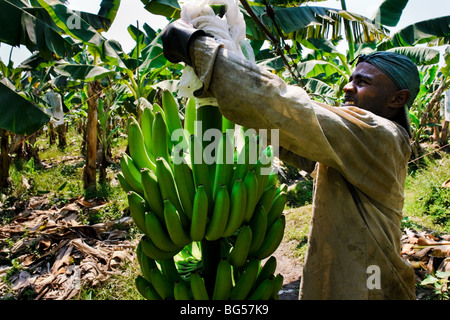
(28, 23)
(56, 32)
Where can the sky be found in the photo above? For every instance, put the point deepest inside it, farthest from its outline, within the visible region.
(131, 11)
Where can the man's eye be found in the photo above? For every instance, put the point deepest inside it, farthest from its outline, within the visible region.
(362, 82)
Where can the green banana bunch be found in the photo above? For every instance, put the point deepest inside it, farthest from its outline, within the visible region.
(190, 210)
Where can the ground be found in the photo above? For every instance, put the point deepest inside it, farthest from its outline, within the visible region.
(291, 269)
(55, 254)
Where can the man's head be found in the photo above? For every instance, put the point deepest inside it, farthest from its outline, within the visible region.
(385, 83)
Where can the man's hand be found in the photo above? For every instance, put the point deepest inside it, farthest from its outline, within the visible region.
(176, 39)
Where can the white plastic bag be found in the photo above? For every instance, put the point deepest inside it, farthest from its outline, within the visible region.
(229, 30)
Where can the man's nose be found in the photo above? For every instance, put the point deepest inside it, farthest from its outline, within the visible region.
(349, 87)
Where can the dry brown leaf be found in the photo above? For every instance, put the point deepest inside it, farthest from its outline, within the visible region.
(431, 242)
(62, 258)
(422, 253)
(446, 184)
(86, 249)
(441, 251)
(430, 266)
(23, 280)
(445, 265)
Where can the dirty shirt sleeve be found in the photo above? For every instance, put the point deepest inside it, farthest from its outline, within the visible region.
(348, 139)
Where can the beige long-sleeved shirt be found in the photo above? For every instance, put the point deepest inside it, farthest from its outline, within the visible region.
(354, 240)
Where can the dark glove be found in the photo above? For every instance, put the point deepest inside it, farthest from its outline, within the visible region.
(176, 39)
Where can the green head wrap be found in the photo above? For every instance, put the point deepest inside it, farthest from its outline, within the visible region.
(401, 70)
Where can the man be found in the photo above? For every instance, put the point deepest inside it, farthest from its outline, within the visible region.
(361, 150)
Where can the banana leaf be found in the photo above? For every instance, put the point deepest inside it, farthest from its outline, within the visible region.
(109, 9)
(166, 8)
(314, 68)
(419, 55)
(83, 72)
(319, 88)
(389, 12)
(423, 32)
(322, 22)
(19, 27)
(72, 24)
(18, 114)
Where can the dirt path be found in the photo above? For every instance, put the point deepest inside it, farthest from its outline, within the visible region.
(291, 269)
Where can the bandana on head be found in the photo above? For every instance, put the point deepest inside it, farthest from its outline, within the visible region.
(401, 70)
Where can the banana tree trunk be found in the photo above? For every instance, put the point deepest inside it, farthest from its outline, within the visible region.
(5, 180)
(90, 169)
(61, 131)
(444, 134)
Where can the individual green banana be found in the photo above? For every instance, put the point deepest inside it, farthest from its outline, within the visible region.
(239, 252)
(199, 214)
(160, 137)
(245, 281)
(273, 239)
(251, 185)
(282, 188)
(123, 183)
(174, 225)
(157, 108)
(277, 285)
(157, 232)
(146, 289)
(273, 179)
(200, 169)
(161, 284)
(168, 187)
(185, 185)
(181, 290)
(277, 208)
(137, 210)
(137, 146)
(131, 173)
(238, 202)
(152, 193)
(263, 291)
(258, 224)
(243, 161)
(246, 159)
(267, 197)
(198, 287)
(146, 127)
(169, 269)
(224, 164)
(267, 270)
(170, 106)
(224, 281)
(261, 168)
(219, 218)
(145, 263)
(153, 252)
(190, 115)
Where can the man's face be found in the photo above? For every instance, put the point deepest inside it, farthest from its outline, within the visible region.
(370, 89)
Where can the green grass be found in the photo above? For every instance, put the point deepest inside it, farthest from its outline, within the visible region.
(297, 229)
(427, 202)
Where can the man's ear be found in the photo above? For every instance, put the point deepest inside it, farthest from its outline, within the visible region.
(400, 98)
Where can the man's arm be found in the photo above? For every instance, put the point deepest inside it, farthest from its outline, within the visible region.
(349, 139)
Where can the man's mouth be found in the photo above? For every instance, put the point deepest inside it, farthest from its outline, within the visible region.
(349, 102)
